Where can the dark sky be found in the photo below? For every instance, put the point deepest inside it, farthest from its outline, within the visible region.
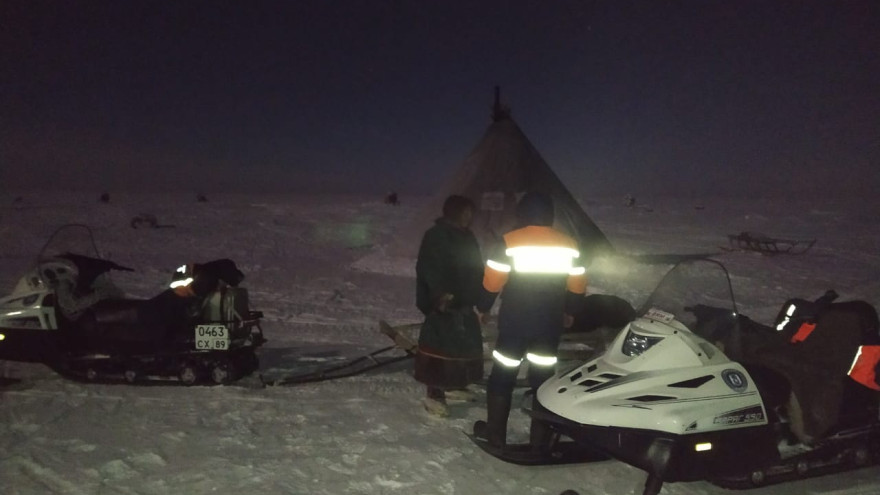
(743, 97)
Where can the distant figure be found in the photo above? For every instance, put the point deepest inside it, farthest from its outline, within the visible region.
(105, 198)
(18, 201)
(449, 274)
(629, 201)
(145, 220)
(392, 199)
(201, 198)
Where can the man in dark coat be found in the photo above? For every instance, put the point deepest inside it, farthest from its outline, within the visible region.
(449, 274)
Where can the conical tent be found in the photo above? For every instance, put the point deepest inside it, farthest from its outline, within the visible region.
(503, 167)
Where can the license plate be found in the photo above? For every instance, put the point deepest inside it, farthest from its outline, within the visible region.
(212, 337)
(659, 315)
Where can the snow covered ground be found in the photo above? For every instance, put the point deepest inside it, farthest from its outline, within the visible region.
(314, 267)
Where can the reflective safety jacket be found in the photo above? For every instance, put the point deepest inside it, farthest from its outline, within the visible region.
(538, 270)
(865, 368)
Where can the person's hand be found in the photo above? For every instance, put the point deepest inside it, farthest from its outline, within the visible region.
(441, 304)
(567, 320)
(481, 317)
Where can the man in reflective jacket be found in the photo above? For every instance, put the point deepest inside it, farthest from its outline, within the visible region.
(543, 284)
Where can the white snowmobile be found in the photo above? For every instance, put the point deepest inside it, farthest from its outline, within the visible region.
(692, 390)
(65, 312)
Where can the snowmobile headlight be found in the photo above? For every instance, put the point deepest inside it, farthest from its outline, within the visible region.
(2, 337)
(703, 447)
(636, 345)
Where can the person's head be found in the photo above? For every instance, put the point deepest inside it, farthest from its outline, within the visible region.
(459, 210)
(535, 208)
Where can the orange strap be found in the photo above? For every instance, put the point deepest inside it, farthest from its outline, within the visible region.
(864, 367)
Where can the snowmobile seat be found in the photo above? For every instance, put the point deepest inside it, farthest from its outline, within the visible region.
(117, 311)
(602, 310)
(713, 323)
(816, 368)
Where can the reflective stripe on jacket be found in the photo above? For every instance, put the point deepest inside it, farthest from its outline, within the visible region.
(864, 367)
(536, 251)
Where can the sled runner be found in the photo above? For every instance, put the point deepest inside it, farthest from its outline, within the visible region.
(752, 241)
(573, 346)
(405, 337)
(602, 315)
(355, 366)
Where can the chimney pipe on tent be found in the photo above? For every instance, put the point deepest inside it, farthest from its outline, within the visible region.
(499, 111)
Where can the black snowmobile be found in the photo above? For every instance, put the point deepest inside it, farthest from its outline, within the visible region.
(66, 312)
(693, 390)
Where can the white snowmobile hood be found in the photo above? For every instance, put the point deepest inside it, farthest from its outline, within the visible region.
(657, 375)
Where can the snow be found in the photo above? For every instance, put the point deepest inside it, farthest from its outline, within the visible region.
(315, 267)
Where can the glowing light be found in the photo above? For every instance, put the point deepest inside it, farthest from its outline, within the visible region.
(181, 269)
(13, 313)
(181, 283)
(788, 313)
(541, 360)
(2, 337)
(500, 267)
(506, 361)
(703, 447)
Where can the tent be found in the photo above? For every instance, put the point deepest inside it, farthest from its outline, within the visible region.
(501, 168)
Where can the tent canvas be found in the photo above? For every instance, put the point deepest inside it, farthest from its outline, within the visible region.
(501, 168)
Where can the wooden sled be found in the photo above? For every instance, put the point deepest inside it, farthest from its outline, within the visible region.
(752, 241)
(147, 220)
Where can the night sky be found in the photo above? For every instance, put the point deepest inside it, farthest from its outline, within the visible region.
(700, 97)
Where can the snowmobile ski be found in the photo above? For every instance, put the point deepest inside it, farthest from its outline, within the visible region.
(560, 452)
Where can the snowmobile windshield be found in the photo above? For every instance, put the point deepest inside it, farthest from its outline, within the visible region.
(696, 293)
(71, 239)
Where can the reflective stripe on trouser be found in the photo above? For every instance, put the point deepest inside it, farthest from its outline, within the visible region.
(502, 379)
(506, 361)
(541, 359)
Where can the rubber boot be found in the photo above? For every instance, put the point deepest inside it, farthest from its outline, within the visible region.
(540, 434)
(497, 411)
